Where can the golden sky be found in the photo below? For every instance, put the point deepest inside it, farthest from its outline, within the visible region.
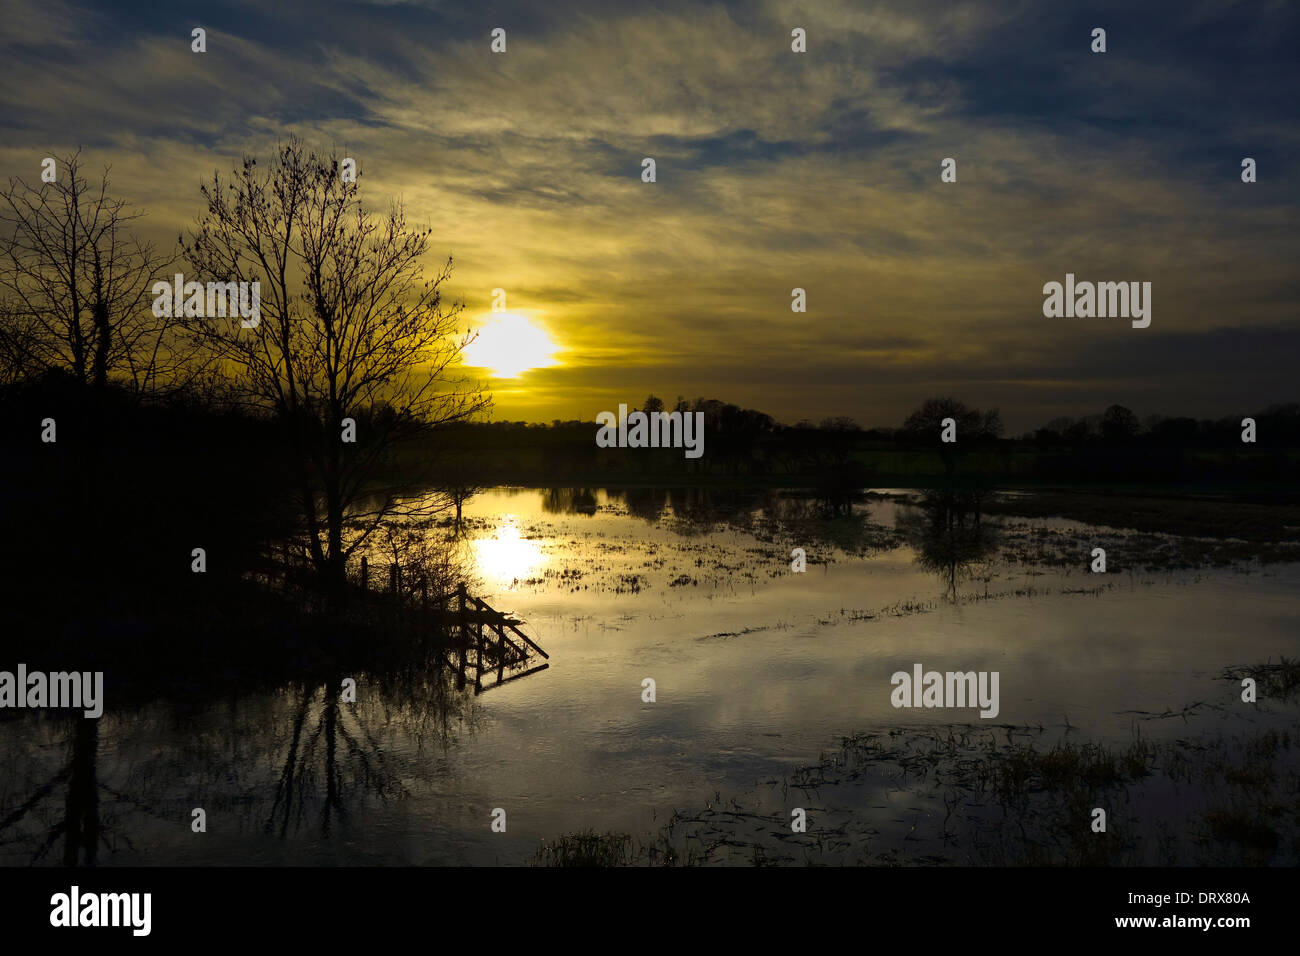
(775, 170)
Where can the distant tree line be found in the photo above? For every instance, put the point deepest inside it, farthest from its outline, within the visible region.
(837, 453)
(1118, 425)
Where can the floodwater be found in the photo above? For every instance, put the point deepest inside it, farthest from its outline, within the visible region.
(757, 670)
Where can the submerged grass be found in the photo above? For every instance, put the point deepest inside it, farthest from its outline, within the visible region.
(1021, 769)
(1267, 522)
(1280, 681)
(1001, 796)
(586, 848)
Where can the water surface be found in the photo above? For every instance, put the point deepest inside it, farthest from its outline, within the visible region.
(758, 670)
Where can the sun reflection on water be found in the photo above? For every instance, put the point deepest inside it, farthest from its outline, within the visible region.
(507, 556)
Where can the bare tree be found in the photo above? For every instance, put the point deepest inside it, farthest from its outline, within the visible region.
(17, 349)
(1119, 425)
(926, 424)
(76, 282)
(349, 329)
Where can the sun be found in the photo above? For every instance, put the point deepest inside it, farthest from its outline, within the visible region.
(510, 345)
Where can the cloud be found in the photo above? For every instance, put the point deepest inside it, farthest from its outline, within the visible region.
(775, 170)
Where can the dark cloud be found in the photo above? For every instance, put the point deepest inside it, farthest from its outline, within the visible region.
(775, 171)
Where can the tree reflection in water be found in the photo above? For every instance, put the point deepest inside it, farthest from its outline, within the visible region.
(949, 536)
(287, 762)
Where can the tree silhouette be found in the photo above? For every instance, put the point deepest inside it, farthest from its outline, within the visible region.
(349, 329)
(926, 424)
(1119, 424)
(76, 284)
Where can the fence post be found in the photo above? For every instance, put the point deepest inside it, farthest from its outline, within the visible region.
(501, 652)
(478, 654)
(464, 637)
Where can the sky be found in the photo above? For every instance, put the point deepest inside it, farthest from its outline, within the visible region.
(775, 170)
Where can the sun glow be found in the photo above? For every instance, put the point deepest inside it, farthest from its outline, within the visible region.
(508, 557)
(510, 345)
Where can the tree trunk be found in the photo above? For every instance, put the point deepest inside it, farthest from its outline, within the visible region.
(103, 330)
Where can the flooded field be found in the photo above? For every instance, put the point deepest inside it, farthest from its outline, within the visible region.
(772, 691)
